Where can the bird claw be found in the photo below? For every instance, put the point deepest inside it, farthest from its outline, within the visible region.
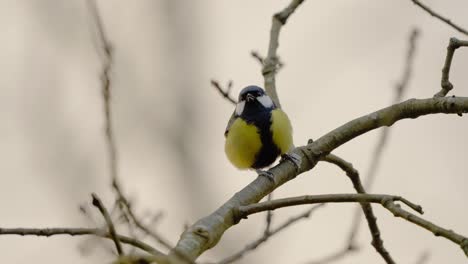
(267, 175)
(294, 158)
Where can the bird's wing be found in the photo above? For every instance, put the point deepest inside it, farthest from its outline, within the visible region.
(229, 124)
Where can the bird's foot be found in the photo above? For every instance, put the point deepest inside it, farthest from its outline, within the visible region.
(294, 158)
(266, 174)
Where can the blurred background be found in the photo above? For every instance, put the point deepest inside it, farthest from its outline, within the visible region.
(342, 60)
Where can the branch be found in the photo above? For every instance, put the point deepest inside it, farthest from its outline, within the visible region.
(252, 246)
(270, 63)
(377, 241)
(224, 92)
(259, 58)
(440, 17)
(206, 232)
(97, 202)
(383, 199)
(387, 201)
(122, 201)
(268, 218)
(47, 232)
(445, 83)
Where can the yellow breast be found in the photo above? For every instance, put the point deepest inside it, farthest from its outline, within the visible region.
(242, 144)
(281, 130)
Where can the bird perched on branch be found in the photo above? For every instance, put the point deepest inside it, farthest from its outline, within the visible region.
(258, 132)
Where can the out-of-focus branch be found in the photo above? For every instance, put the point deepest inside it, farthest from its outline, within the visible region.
(454, 44)
(268, 218)
(403, 83)
(271, 62)
(259, 58)
(47, 232)
(97, 202)
(224, 92)
(252, 246)
(440, 17)
(123, 202)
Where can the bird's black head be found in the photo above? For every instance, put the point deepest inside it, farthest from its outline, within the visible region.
(253, 99)
(251, 92)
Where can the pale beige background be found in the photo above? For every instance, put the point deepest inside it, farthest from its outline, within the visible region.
(342, 60)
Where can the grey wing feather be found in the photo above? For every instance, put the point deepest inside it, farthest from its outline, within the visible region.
(231, 121)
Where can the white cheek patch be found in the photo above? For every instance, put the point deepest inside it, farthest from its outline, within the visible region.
(265, 100)
(240, 108)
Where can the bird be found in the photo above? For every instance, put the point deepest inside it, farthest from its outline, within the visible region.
(258, 132)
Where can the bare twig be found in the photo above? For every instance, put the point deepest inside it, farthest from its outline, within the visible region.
(377, 241)
(258, 57)
(106, 94)
(269, 217)
(440, 17)
(97, 202)
(403, 84)
(106, 52)
(383, 199)
(47, 232)
(252, 246)
(271, 62)
(454, 44)
(387, 201)
(224, 92)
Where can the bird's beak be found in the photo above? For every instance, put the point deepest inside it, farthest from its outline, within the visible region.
(250, 98)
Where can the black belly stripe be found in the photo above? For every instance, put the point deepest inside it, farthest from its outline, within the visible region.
(269, 151)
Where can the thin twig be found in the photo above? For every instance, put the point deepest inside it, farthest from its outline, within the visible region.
(269, 217)
(107, 59)
(454, 44)
(383, 199)
(97, 202)
(403, 84)
(47, 232)
(224, 92)
(257, 57)
(377, 241)
(440, 17)
(387, 201)
(271, 62)
(106, 56)
(252, 246)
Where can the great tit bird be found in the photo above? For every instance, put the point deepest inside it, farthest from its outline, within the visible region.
(258, 131)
